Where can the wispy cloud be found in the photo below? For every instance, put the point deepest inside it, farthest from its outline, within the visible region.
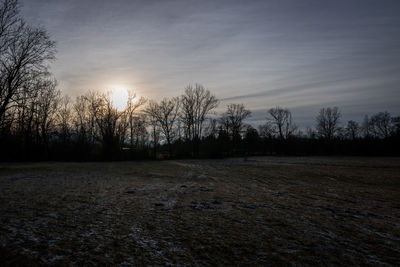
(299, 54)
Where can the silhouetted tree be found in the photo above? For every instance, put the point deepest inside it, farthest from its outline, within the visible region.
(381, 124)
(266, 130)
(24, 53)
(212, 128)
(82, 121)
(251, 139)
(281, 119)
(108, 120)
(47, 106)
(64, 119)
(155, 129)
(165, 113)
(352, 129)
(131, 108)
(328, 122)
(196, 103)
(396, 126)
(311, 133)
(139, 131)
(366, 127)
(233, 120)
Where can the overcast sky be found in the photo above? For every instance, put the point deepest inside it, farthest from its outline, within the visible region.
(303, 55)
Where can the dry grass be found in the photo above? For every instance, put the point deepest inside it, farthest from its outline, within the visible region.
(264, 211)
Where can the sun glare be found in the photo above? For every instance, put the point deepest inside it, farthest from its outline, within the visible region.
(119, 98)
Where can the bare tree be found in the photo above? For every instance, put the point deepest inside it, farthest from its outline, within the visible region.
(196, 103)
(310, 133)
(155, 128)
(47, 107)
(366, 127)
(121, 131)
(139, 131)
(108, 120)
(352, 129)
(328, 122)
(281, 118)
(64, 118)
(26, 115)
(165, 113)
(25, 52)
(212, 128)
(34, 116)
(131, 107)
(81, 119)
(233, 119)
(396, 125)
(381, 124)
(266, 130)
(10, 23)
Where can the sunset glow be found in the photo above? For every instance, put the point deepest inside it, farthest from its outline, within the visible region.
(119, 97)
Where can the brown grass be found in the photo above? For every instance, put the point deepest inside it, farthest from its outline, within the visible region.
(265, 211)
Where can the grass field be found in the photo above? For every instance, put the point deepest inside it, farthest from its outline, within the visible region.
(264, 211)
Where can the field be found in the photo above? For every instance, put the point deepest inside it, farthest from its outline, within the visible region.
(260, 211)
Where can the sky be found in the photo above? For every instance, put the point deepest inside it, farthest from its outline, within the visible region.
(302, 55)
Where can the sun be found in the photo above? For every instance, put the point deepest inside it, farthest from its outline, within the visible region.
(119, 97)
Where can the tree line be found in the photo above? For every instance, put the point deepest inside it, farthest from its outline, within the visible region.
(38, 123)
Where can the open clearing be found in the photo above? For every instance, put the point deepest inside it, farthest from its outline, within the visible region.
(264, 211)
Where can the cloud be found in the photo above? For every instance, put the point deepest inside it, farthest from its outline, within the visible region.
(299, 54)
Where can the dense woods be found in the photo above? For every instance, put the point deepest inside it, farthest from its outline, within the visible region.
(38, 123)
